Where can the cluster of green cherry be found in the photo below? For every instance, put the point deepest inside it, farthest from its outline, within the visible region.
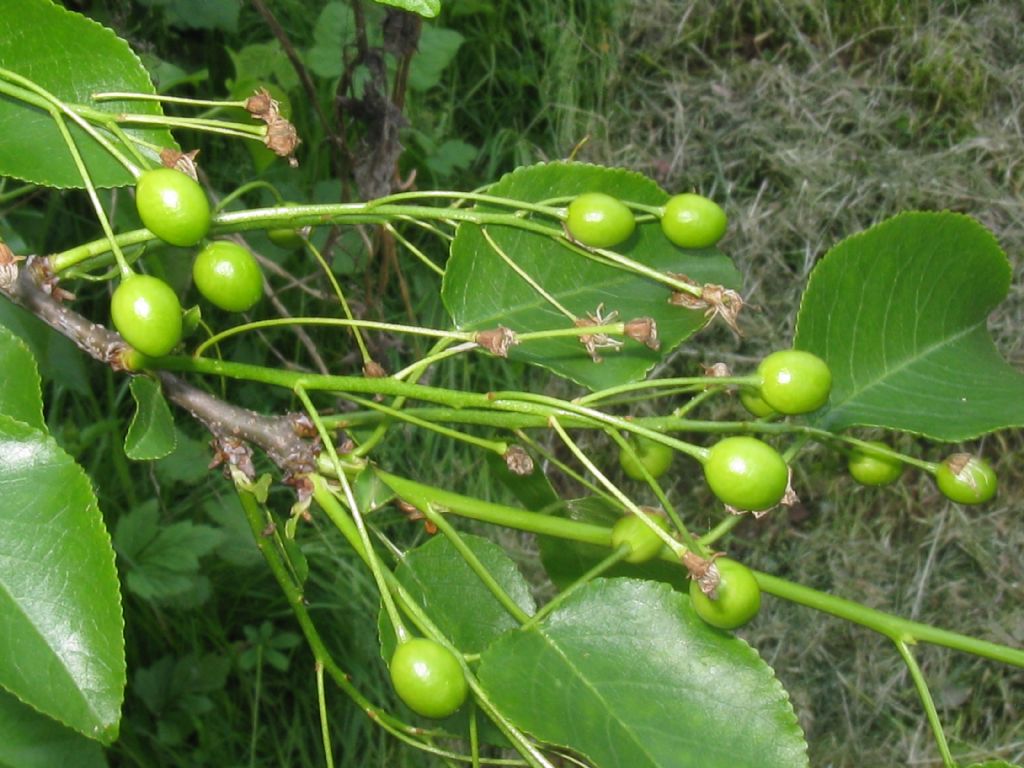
(145, 310)
(689, 220)
(747, 474)
(743, 472)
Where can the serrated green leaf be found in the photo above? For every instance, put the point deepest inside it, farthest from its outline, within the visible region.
(453, 155)
(437, 47)
(62, 647)
(175, 683)
(426, 8)
(237, 546)
(31, 740)
(162, 561)
(899, 313)
(151, 433)
(626, 674)
(260, 62)
(481, 291)
(458, 602)
(72, 57)
(21, 396)
(335, 28)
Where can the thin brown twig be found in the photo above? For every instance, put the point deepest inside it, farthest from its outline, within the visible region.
(336, 144)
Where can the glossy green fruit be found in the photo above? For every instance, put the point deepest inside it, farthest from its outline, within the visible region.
(752, 401)
(794, 381)
(599, 220)
(147, 313)
(644, 544)
(736, 600)
(966, 479)
(228, 276)
(172, 206)
(656, 457)
(286, 237)
(870, 468)
(746, 473)
(428, 678)
(693, 221)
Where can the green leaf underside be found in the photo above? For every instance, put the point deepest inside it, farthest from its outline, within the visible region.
(565, 560)
(481, 291)
(62, 650)
(72, 57)
(626, 674)
(163, 559)
(21, 396)
(459, 604)
(31, 740)
(151, 433)
(899, 313)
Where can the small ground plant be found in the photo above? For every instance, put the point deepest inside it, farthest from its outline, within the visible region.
(593, 274)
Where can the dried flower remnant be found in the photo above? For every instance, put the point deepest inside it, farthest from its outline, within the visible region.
(185, 162)
(282, 139)
(518, 460)
(644, 330)
(497, 341)
(596, 341)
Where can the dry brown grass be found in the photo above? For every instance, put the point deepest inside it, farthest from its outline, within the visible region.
(811, 121)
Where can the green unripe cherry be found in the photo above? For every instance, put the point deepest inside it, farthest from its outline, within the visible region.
(754, 404)
(428, 678)
(736, 600)
(656, 457)
(966, 479)
(644, 544)
(599, 220)
(286, 237)
(146, 312)
(793, 381)
(693, 221)
(871, 468)
(228, 276)
(172, 206)
(746, 473)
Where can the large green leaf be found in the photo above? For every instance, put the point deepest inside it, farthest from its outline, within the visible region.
(20, 396)
(61, 648)
(899, 313)
(31, 740)
(151, 433)
(440, 581)
(482, 291)
(626, 674)
(72, 57)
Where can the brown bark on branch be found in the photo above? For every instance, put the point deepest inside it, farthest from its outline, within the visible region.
(31, 285)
